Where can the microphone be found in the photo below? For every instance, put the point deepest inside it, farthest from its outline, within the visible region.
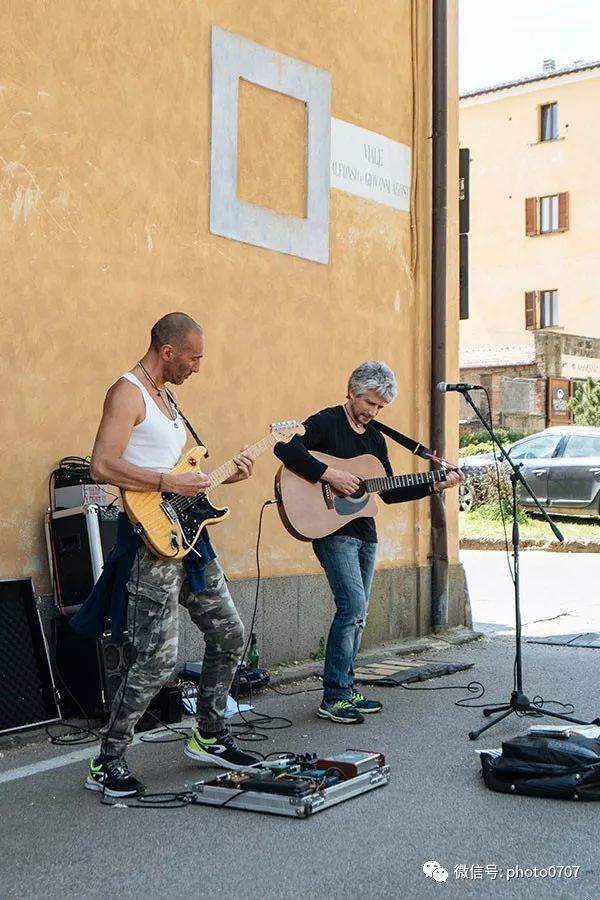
(461, 388)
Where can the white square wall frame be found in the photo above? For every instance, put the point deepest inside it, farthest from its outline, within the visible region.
(233, 58)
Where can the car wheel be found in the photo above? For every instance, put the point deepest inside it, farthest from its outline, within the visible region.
(465, 496)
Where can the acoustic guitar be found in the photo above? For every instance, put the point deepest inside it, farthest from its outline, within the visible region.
(170, 523)
(310, 511)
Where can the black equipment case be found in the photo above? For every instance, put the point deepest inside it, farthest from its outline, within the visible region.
(565, 768)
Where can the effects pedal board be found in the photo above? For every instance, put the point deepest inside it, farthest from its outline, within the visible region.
(246, 680)
(296, 785)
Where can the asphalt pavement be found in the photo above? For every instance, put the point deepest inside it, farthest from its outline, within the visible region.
(559, 592)
(59, 841)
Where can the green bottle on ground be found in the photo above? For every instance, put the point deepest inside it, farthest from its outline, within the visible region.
(253, 654)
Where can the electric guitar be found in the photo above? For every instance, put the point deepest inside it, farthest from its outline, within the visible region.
(309, 511)
(170, 523)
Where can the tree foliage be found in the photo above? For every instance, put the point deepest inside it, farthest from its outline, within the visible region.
(585, 404)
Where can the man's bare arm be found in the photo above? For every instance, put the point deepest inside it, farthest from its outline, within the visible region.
(123, 409)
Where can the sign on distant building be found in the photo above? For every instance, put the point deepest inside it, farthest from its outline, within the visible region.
(580, 367)
(370, 165)
(559, 394)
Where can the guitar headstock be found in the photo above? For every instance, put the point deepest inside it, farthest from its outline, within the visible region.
(285, 431)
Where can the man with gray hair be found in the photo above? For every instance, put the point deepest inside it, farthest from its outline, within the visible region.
(348, 555)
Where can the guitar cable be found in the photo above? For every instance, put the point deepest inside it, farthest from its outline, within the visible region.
(77, 734)
(113, 717)
(249, 731)
(160, 800)
(178, 800)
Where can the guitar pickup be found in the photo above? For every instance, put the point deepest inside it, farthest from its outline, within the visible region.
(168, 509)
(327, 494)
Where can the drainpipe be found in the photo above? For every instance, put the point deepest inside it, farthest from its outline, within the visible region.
(439, 535)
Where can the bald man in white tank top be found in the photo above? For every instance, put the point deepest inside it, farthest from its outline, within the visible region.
(140, 439)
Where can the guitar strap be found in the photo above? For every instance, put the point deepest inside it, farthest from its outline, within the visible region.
(414, 446)
(186, 422)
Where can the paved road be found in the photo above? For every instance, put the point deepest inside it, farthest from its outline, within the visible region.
(560, 592)
(58, 841)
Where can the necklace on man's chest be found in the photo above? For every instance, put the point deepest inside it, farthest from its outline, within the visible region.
(171, 406)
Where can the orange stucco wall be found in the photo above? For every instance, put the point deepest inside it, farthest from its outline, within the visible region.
(104, 167)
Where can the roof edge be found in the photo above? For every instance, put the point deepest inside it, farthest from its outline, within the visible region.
(505, 85)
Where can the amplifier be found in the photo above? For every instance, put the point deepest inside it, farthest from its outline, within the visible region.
(27, 694)
(166, 707)
(78, 541)
(246, 679)
(73, 495)
(90, 672)
(78, 667)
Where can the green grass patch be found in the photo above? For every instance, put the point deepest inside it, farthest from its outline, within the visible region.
(485, 522)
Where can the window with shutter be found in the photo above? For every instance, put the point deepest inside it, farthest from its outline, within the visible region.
(531, 311)
(563, 212)
(531, 225)
(548, 309)
(549, 214)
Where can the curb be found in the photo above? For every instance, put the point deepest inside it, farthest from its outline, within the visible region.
(581, 546)
(450, 637)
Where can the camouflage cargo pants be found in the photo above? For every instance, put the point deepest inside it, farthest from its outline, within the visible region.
(156, 589)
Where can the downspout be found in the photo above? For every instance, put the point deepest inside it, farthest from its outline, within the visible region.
(439, 534)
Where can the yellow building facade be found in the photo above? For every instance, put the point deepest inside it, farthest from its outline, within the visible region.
(109, 220)
(534, 187)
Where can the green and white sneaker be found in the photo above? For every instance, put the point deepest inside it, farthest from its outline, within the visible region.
(363, 705)
(111, 775)
(218, 750)
(342, 711)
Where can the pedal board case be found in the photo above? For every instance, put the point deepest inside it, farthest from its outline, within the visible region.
(214, 793)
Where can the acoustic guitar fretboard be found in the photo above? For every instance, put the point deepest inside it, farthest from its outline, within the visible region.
(377, 485)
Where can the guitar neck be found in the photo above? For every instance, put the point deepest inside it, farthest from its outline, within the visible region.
(377, 485)
(229, 468)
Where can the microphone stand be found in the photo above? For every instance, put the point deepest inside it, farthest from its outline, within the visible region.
(519, 703)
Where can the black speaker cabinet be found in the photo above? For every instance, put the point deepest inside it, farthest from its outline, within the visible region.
(90, 672)
(116, 661)
(78, 668)
(78, 542)
(27, 693)
(165, 708)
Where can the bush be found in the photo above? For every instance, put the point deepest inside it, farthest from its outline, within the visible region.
(474, 449)
(485, 486)
(488, 501)
(481, 436)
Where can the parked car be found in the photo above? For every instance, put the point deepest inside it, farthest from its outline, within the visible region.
(561, 466)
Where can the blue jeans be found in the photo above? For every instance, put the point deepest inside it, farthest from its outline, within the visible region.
(349, 564)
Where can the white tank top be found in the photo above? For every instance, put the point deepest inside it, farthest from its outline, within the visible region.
(157, 442)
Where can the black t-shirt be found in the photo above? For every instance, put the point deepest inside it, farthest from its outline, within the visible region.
(329, 431)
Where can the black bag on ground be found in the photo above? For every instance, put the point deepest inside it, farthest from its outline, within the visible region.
(542, 766)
